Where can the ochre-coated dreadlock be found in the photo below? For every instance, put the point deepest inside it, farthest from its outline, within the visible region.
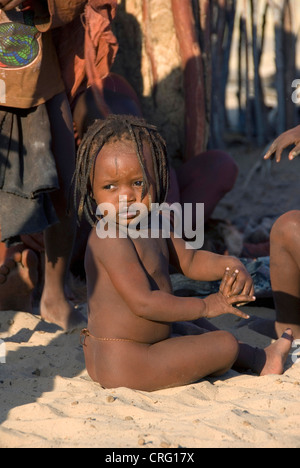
(118, 128)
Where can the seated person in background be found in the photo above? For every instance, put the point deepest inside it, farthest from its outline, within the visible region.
(284, 256)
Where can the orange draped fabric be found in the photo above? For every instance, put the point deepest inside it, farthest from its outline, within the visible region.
(86, 45)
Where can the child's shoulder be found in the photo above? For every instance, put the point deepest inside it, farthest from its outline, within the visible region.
(103, 242)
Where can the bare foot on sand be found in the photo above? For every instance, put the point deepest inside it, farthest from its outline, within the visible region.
(277, 354)
(60, 311)
(18, 278)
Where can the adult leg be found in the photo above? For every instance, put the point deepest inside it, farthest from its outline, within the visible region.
(285, 272)
(8, 252)
(19, 265)
(18, 278)
(285, 278)
(59, 238)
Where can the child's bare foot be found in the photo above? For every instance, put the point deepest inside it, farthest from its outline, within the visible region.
(61, 312)
(277, 353)
(18, 278)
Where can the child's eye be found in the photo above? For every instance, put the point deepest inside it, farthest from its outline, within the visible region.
(139, 183)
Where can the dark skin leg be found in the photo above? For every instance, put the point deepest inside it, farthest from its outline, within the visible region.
(18, 278)
(174, 362)
(169, 363)
(285, 272)
(285, 278)
(59, 238)
(270, 360)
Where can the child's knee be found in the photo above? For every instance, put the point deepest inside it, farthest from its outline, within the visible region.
(230, 347)
(228, 353)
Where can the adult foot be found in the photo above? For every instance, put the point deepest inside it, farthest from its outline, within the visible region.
(61, 312)
(18, 278)
(277, 354)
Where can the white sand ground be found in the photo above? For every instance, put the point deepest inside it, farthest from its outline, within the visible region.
(48, 400)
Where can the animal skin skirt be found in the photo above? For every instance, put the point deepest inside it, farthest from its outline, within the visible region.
(27, 172)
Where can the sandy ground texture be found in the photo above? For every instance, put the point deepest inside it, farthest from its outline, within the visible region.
(48, 400)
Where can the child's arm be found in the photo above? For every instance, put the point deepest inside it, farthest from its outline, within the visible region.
(206, 266)
(129, 278)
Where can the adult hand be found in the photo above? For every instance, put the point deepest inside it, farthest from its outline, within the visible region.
(9, 4)
(291, 137)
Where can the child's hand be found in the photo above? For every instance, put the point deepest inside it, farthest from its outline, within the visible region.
(291, 137)
(223, 302)
(243, 284)
(9, 4)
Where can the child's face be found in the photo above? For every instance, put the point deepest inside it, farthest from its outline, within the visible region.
(118, 178)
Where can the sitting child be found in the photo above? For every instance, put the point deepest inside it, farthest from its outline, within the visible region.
(122, 161)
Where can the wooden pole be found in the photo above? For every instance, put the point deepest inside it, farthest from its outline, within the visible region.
(191, 56)
(149, 47)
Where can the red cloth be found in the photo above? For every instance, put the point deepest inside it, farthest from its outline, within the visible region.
(27, 5)
(100, 46)
(87, 48)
